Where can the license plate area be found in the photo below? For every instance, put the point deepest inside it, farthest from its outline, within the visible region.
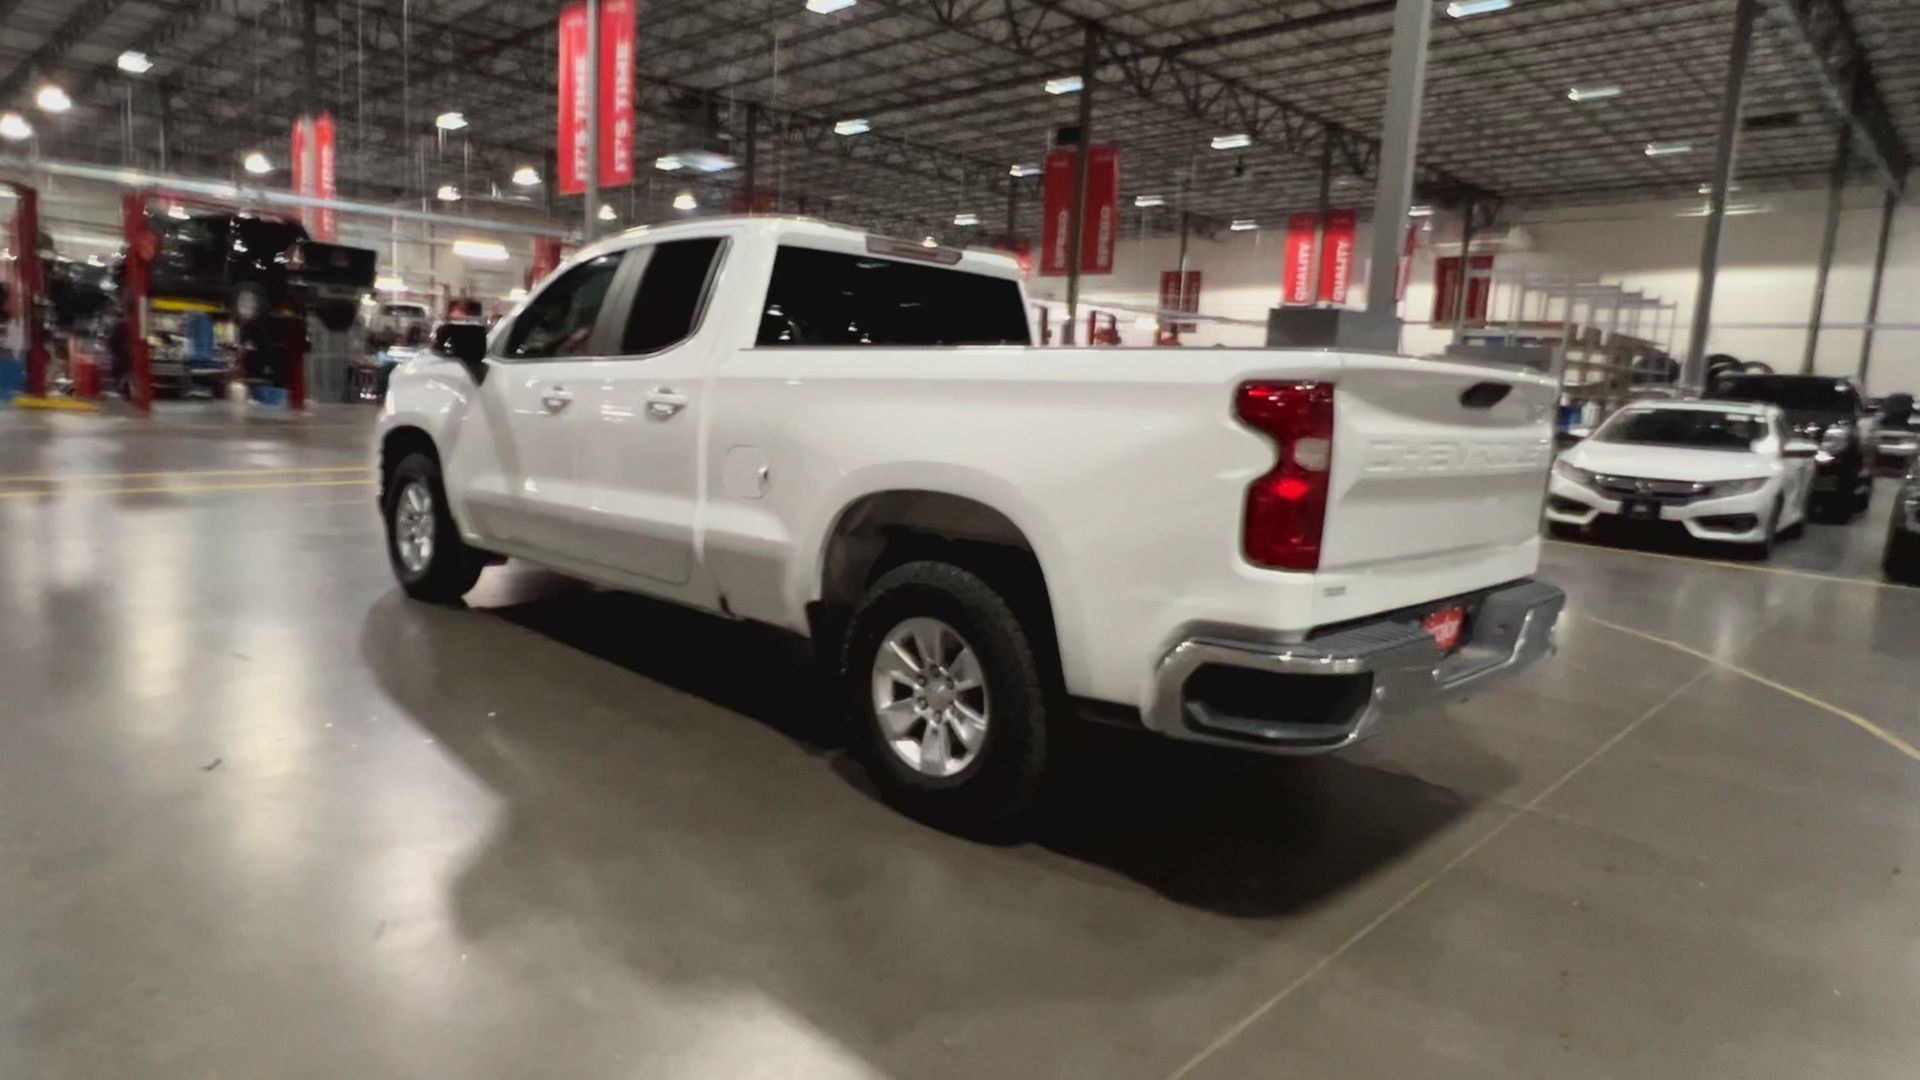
(1641, 509)
(1447, 627)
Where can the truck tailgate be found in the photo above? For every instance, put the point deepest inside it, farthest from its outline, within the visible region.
(1435, 465)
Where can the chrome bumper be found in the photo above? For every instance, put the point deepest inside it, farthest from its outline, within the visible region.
(1392, 666)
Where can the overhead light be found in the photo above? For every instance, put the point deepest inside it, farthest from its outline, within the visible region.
(930, 242)
(14, 127)
(52, 99)
(851, 127)
(526, 176)
(516, 293)
(450, 121)
(484, 250)
(94, 260)
(1023, 171)
(705, 161)
(966, 219)
(178, 212)
(1667, 149)
(669, 163)
(1149, 200)
(1243, 224)
(448, 193)
(1419, 211)
(1732, 210)
(685, 201)
(827, 7)
(606, 212)
(256, 163)
(1707, 189)
(1467, 9)
(389, 283)
(1592, 93)
(1232, 142)
(1065, 84)
(134, 62)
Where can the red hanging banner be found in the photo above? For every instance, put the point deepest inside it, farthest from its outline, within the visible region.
(571, 152)
(1056, 208)
(1100, 223)
(1336, 255)
(1296, 286)
(616, 92)
(302, 174)
(324, 187)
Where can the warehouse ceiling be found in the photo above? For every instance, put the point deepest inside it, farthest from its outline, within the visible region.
(953, 92)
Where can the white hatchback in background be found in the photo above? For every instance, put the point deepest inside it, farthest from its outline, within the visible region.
(1724, 470)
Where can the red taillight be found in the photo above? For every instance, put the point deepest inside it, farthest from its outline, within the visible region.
(1287, 505)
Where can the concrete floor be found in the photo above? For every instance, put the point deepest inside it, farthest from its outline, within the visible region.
(261, 817)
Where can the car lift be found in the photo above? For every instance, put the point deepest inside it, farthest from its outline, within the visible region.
(33, 286)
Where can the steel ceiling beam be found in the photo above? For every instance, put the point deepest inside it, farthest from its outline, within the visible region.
(1823, 30)
(84, 20)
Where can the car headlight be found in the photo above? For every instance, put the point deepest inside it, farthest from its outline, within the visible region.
(1573, 474)
(1722, 488)
(1836, 438)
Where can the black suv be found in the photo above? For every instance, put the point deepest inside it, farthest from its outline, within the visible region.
(252, 265)
(1829, 413)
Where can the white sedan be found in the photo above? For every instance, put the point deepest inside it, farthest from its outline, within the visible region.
(1725, 471)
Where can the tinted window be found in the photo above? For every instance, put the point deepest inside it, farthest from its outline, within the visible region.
(559, 322)
(830, 298)
(1792, 393)
(666, 306)
(1697, 429)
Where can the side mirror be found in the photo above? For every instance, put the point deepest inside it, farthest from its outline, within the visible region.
(465, 342)
(1800, 448)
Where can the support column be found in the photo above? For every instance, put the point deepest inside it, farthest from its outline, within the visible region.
(1321, 205)
(1694, 376)
(1887, 208)
(1463, 288)
(1393, 196)
(1076, 222)
(750, 164)
(1013, 207)
(166, 120)
(590, 199)
(1836, 186)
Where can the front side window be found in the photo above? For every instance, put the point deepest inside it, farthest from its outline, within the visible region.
(559, 322)
(666, 306)
(834, 298)
(1694, 429)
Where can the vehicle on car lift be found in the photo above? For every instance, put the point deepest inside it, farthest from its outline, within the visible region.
(1897, 440)
(1830, 414)
(1901, 560)
(850, 437)
(252, 266)
(1725, 472)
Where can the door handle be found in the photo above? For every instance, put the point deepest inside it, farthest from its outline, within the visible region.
(663, 403)
(556, 399)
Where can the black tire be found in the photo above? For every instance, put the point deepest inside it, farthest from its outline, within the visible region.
(337, 315)
(451, 567)
(1863, 498)
(1832, 509)
(1561, 530)
(1902, 558)
(1007, 766)
(248, 302)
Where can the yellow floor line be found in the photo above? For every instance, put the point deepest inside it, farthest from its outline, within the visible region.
(264, 470)
(1853, 718)
(185, 489)
(1785, 571)
(23, 401)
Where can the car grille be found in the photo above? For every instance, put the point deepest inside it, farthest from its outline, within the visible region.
(1668, 492)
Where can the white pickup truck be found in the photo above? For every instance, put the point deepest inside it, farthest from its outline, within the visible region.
(853, 438)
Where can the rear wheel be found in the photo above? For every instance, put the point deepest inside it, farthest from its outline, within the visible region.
(1902, 558)
(430, 560)
(947, 687)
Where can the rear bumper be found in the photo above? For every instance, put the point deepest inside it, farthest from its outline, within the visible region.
(1327, 693)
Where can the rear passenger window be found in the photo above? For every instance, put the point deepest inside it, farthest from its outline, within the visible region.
(559, 322)
(832, 298)
(672, 293)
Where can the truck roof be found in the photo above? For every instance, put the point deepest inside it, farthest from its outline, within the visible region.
(812, 233)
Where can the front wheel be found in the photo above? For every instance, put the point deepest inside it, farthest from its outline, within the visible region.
(947, 686)
(1902, 559)
(1762, 548)
(430, 560)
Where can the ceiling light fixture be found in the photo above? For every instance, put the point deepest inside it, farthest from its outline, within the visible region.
(178, 212)
(526, 176)
(483, 250)
(450, 121)
(705, 161)
(828, 7)
(669, 163)
(14, 127)
(389, 283)
(851, 127)
(1732, 210)
(1667, 149)
(256, 163)
(448, 193)
(1065, 84)
(1149, 200)
(1023, 171)
(1467, 9)
(134, 62)
(52, 99)
(685, 201)
(1243, 224)
(930, 242)
(1707, 189)
(606, 212)
(1593, 93)
(966, 219)
(1419, 211)
(1232, 142)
